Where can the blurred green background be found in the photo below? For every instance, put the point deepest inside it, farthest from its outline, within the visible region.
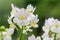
(44, 8)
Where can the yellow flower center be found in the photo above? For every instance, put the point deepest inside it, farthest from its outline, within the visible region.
(29, 11)
(22, 17)
(56, 25)
(46, 27)
(33, 23)
(10, 25)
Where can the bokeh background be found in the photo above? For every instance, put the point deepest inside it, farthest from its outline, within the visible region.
(44, 8)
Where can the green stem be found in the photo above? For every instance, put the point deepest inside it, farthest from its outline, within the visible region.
(2, 36)
(55, 36)
(21, 34)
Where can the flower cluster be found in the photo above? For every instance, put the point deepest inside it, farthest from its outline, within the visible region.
(51, 29)
(24, 18)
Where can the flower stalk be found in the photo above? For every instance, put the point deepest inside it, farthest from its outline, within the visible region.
(21, 33)
(2, 37)
(55, 36)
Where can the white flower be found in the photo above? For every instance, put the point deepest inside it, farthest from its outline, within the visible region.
(49, 22)
(56, 27)
(34, 38)
(6, 36)
(46, 29)
(11, 25)
(38, 38)
(53, 24)
(30, 9)
(10, 31)
(30, 17)
(46, 37)
(13, 11)
(34, 22)
(21, 18)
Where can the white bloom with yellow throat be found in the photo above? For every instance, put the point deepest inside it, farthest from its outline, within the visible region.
(21, 17)
(53, 24)
(30, 9)
(11, 25)
(45, 36)
(46, 29)
(14, 10)
(34, 21)
(32, 37)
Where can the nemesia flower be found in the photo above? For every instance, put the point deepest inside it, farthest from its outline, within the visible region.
(38, 38)
(21, 18)
(14, 10)
(45, 36)
(53, 24)
(10, 31)
(11, 17)
(32, 37)
(7, 37)
(30, 9)
(46, 29)
(34, 22)
(11, 25)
